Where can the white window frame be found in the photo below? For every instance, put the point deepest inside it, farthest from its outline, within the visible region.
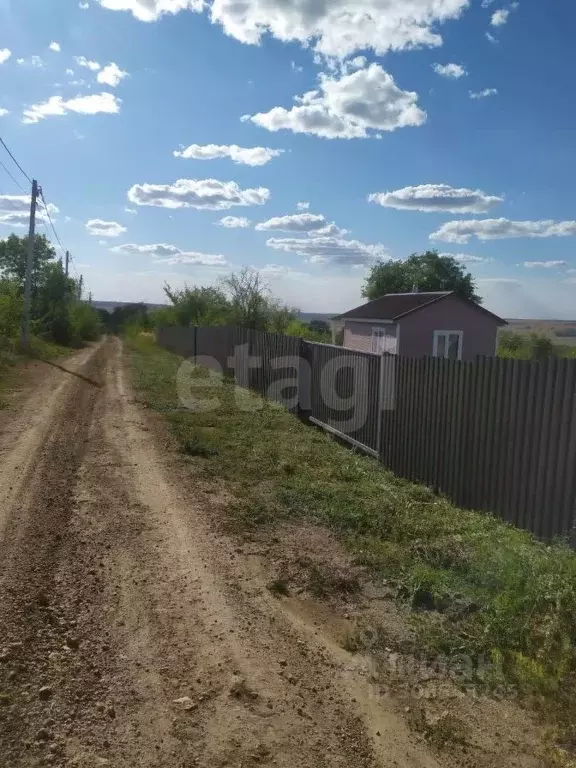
(437, 335)
(378, 331)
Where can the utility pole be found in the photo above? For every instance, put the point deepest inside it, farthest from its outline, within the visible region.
(67, 262)
(29, 266)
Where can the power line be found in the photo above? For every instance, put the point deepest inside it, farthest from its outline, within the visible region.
(13, 179)
(51, 222)
(14, 159)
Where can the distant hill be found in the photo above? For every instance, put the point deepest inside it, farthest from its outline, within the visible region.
(109, 306)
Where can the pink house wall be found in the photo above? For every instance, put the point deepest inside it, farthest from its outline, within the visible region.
(450, 314)
(358, 335)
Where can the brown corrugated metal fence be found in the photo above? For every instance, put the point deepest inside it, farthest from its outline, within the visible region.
(493, 435)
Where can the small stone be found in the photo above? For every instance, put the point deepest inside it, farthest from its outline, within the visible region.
(72, 642)
(100, 707)
(111, 712)
(45, 692)
(43, 735)
(186, 703)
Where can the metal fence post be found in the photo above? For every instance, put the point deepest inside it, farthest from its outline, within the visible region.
(304, 381)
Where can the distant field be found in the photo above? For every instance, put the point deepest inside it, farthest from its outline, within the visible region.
(553, 328)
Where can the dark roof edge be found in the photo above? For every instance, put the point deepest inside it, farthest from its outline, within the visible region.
(407, 293)
(500, 321)
(426, 304)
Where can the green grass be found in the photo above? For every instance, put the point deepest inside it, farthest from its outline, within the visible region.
(472, 584)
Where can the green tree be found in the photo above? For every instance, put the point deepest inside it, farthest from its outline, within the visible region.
(14, 257)
(428, 271)
(197, 306)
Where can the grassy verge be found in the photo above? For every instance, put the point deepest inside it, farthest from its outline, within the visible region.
(474, 585)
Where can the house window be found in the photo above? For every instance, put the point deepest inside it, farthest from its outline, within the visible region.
(378, 339)
(384, 339)
(448, 344)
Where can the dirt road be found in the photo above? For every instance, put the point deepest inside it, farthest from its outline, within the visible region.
(131, 632)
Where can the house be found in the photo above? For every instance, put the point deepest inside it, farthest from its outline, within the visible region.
(438, 324)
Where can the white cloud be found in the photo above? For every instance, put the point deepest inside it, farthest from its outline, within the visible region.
(487, 3)
(82, 61)
(341, 27)
(337, 29)
(452, 71)
(104, 228)
(204, 194)
(491, 37)
(498, 229)
(164, 253)
(467, 258)
(436, 197)
(34, 62)
(4, 112)
(301, 223)
(83, 6)
(111, 75)
(56, 106)
(55, 47)
(545, 264)
(15, 211)
(500, 17)
(242, 155)
(357, 105)
(70, 72)
(158, 250)
(295, 68)
(302, 206)
(5, 54)
(483, 94)
(330, 250)
(234, 222)
(152, 10)
(130, 210)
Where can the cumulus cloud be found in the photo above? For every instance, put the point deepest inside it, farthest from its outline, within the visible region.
(452, 71)
(499, 229)
(234, 222)
(55, 47)
(158, 250)
(302, 206)
(82, 61)
(15, 211)
(111, 75)
(241, 155)
(204, 194)
(500, 17)
(5, 54)
(130, 210)
(4, 112)
(336, 29)
(545, 264)
(200, 259)
(483, 94)
(152, 10)
(357, 105)
(298, 222)
(104, 228)
(436, 197)
(329, 250)
(490, 37)
(56, 106)
(341, 27)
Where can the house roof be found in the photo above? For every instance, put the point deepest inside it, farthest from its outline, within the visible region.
(393, 306)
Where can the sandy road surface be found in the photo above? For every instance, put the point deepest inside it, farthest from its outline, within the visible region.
(132, 634)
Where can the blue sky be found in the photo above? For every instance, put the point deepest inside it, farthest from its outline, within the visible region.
(298, 102)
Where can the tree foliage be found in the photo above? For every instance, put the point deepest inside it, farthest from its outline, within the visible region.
(428, 271)
(58, 312)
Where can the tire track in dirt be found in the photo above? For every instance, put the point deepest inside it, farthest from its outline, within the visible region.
(159, 645)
